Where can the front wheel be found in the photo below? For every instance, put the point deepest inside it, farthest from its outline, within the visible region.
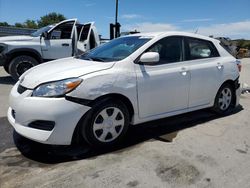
(20, 64)
(224, 99)
(106, 123)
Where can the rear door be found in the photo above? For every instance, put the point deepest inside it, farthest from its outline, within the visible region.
(59, 41)
(163, 87)
(87, 38)
(206, 69)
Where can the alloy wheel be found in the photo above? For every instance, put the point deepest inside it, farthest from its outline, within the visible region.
(225, 98)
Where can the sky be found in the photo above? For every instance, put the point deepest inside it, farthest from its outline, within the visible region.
(225, 18)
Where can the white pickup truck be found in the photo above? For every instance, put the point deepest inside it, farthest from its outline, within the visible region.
(65, 39)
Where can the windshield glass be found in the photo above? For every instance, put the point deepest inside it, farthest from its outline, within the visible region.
(116, 49)
(41, 30)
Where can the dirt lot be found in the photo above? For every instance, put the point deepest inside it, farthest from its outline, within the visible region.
(197, 149)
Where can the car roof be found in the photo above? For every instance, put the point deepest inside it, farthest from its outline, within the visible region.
(172, 33)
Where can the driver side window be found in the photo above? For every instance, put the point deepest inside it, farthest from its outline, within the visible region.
(169, 49)
(62, 31)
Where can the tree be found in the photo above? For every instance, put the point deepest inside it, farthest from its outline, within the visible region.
(30, 24)
(19, 25)
(240, 43)
(50, 18)
(4, 24)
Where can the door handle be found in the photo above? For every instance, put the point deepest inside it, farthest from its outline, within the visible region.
(184, 71)
(219, 66)
(65, 44)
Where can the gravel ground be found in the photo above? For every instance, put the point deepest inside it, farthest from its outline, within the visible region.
(197, 149)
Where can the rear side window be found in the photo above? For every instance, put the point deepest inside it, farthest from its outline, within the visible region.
(85, 32)
(200, 49)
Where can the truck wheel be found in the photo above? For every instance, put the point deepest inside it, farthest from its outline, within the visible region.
(6, 68)
(223, 103)
(20, 64)
(106, 123)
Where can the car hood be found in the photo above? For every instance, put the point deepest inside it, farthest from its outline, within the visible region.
(61, 69)
(16, 38)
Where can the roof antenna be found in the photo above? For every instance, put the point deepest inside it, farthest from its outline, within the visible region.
(196, 31)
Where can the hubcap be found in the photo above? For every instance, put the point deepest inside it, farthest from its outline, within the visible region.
(108, 124)
(225, 98)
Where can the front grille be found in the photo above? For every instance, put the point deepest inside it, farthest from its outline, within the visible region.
(42, 125)
(21, 89)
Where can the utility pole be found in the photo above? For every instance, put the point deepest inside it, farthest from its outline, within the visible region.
(117, 24)
(115, 28)
(116, 11)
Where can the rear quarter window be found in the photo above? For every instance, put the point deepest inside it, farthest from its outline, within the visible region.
(199, 49)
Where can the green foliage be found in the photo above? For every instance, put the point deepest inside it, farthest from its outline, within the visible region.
(50, 18)
(30, 24)
(243, 43)
(4, 24)
(19, 25)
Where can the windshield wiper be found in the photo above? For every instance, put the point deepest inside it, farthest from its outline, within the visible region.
(97, 59)
(92, 58)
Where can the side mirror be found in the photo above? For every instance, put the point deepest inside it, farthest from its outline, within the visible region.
(45, 35)
(150, 57)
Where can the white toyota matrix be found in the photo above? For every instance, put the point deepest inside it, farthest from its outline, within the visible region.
(130, 80)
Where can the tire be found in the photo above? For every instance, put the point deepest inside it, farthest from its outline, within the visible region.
(6, 68)
(223, 103)
(105, 124)
(20, 64)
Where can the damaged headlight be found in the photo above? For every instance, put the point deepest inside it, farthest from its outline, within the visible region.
(57, 88)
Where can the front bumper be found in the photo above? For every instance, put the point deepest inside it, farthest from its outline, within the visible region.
(28, 109)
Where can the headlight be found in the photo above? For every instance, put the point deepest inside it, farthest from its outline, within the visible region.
(57, 88)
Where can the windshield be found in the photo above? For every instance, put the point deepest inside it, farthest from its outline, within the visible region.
(116, 49)
(41, 30)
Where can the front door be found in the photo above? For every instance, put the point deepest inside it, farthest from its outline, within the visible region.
(58, 44)
(86, 39)
(163, 87)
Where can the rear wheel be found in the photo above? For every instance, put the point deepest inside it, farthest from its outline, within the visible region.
(20, 64)
(106, 123)
(224, 100)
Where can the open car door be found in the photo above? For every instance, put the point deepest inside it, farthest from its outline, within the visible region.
(88, 38)
(58, 43)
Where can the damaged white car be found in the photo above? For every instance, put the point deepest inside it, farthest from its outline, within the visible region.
(130, 80)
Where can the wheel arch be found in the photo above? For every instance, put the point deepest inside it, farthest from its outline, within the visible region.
(112, 96)
(234, 84)
(24, 51)
(119, 97)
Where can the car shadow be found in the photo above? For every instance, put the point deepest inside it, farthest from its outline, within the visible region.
(164, 130)
(7, 80)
